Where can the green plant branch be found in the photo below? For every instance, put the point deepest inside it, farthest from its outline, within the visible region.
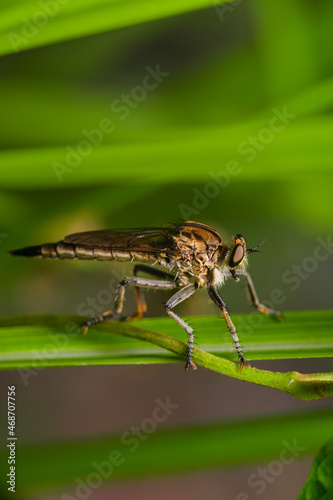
(40, 341)
(302, 386)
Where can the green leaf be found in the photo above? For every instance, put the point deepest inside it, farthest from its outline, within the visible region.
(319, 484)
(26, 24)
(41, 341)
(291, 154)
(172, 451)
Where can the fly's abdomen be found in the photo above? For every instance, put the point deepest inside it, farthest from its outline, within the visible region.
(47, 251)
(62, 250)
(35, 251)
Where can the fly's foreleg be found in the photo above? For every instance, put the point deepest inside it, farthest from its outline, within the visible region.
(178, 297)
(215, 296)
(254, 298)
(119, 302)
(140, 299)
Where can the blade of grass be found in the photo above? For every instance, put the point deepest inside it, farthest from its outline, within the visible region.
(39, 341)
(67, 464)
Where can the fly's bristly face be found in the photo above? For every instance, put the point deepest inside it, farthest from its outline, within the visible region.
(236, 256)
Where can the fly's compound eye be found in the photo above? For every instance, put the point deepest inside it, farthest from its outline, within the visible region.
(236, 256)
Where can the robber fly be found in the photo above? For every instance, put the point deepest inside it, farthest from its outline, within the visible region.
(193, 255)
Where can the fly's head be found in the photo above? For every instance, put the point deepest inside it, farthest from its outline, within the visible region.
(236, 255)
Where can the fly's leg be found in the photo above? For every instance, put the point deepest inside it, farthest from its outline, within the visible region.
(178, 297)
(215, 296)
(254, 298)
(119, 302)
(140, 299)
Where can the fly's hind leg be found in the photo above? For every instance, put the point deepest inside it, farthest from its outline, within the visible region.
(119, 302)
(254, 298)
(183, 294)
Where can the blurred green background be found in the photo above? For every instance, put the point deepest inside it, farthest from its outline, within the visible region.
(230, 71)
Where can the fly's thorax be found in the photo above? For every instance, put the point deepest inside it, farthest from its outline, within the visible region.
(199, 248)
(197, 237)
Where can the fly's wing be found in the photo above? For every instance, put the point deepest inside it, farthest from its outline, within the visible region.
(145, 240)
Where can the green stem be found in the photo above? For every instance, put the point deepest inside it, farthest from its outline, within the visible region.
(301, 386)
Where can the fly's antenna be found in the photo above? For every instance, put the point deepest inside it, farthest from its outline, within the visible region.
(254, 249)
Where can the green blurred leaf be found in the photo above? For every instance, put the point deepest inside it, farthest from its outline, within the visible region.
(319, 484)
(289, 154)
(283, 69)
(25, 24)
(173, 451)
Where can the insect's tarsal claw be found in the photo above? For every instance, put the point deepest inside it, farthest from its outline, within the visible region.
(190, 366)
(277, 316)
(243, 363)
(84, 329)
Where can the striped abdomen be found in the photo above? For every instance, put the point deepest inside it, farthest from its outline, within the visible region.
(63, 250)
